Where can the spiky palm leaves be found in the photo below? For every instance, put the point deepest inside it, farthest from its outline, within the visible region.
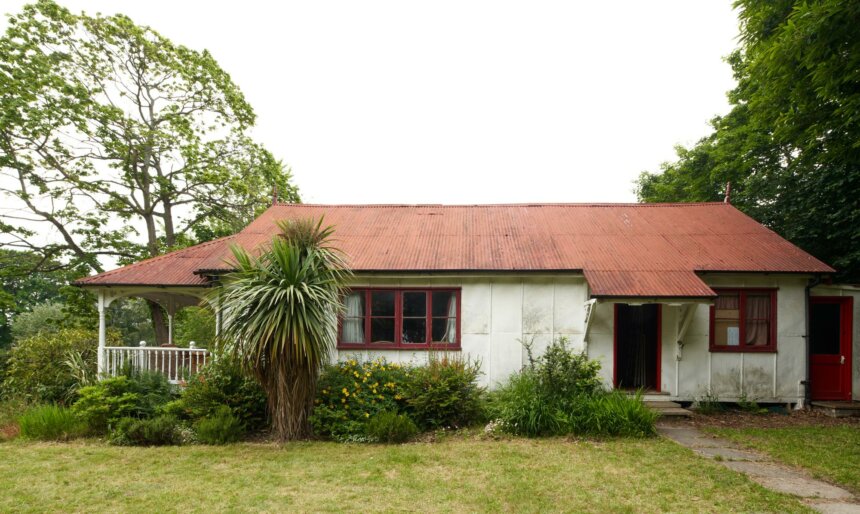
(280, 318)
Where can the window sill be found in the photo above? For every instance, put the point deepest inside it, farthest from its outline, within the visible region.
(741, 349)
(410, 348)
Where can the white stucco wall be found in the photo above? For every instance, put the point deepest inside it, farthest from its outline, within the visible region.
(500, 311)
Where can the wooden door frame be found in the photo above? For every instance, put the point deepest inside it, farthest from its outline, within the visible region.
(846, 320)
(659, 350)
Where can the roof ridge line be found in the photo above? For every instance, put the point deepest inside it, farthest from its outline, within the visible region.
(524, 204)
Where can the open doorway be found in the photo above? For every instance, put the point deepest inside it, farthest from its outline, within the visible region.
(637, 346)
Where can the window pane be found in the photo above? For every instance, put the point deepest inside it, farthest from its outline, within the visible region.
(444, 304)
(727, 306)
(758, 306)
(382, 303)
(726, 332)
(444, 330)
(353, 322)
(757, 333)
(414, 330)
(382, 330)
(415, 304)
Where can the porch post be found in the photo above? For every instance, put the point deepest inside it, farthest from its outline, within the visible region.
(171, 310)
(102, 334)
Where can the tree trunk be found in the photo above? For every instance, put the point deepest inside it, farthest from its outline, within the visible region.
(290, 393)
(159, 322)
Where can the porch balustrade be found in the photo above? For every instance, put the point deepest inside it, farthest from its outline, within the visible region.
(177, 364)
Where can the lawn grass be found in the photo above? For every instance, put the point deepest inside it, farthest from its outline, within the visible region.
(458, 474)
(828, 452)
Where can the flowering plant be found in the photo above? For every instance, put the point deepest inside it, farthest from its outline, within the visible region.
(350, 392)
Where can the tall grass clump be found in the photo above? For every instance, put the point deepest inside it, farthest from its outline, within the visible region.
(50, 423)
(561, 393)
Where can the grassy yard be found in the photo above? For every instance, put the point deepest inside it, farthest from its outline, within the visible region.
(829, 452)
(459, 474)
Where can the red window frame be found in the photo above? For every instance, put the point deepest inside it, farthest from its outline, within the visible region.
(742, 319)
(398, 343)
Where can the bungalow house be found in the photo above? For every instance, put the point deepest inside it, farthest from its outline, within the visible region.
(682, 300)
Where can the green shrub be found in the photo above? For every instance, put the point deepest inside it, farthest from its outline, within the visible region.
(222, 382)
(390, 427)
(157, 431)
(102, 405)
(564, 373)
(222, 428)
(560, 393)
(349, 393)
(613, 413)
(523, 407)
(444, 393)
(44, 318)
(50, 423)
(37, 368)
(142, 396)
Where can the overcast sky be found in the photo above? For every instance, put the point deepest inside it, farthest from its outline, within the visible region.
(462, 102)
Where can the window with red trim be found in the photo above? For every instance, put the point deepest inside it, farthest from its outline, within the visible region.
(743, 320)
(401, 318)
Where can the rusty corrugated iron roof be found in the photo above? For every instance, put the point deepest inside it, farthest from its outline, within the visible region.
(623, 249)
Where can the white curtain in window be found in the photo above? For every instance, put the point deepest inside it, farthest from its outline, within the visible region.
(451, 330)
(353, 323)
(758, 320)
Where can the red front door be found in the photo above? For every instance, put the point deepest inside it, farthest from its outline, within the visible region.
(830, 347)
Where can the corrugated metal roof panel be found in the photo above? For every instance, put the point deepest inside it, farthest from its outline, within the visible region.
(652, 284)
(636, 239)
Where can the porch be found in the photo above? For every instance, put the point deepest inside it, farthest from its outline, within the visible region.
(176, 363)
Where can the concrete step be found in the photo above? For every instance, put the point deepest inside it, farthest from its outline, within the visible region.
(662, 404)
(667, 408)
(679, 412)
(838, 409)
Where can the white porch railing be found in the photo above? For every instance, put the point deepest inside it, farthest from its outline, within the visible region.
(177, 364)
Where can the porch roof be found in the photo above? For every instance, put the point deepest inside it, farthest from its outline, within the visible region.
(624, 250)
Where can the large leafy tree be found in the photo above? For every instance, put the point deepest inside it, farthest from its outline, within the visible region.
(21, 289)
(280, 318)
(117, 144)
(790, 145)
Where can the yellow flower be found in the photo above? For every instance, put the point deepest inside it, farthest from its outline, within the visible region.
(397, 397)
(343, 400)
(366, 415)
(374, 391)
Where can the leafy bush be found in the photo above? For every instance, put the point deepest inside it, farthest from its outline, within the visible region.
(50, 423)
(561, 393)
(523, 408)
(102, 405)
(44, 318)
(444, 393)
(222, 382)
(141, 396)
(564, 373)
(158, 431)
(222, 428)
(37, 368)
(349, 393)
(390, 427)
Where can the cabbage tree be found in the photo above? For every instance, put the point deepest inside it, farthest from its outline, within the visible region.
(280, 318)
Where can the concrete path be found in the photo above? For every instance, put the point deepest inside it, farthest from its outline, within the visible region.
(819, 495)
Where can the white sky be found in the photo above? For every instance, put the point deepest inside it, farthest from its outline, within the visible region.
(462, 102)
